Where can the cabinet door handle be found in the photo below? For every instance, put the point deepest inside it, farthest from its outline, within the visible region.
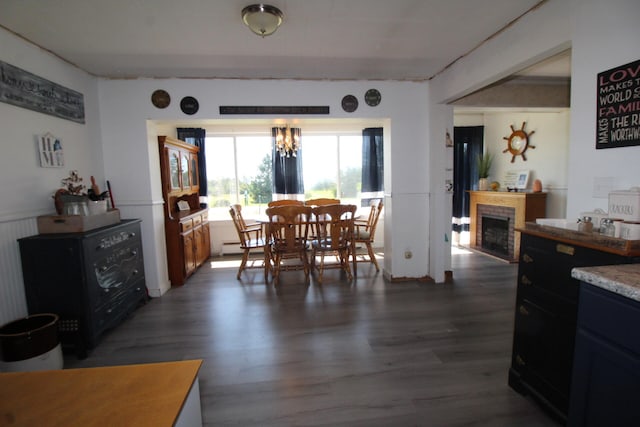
(520, 360)
(134, 272)
(565, 249)
(134, 252)
(523, 310)
(525, 280)
(526, 258)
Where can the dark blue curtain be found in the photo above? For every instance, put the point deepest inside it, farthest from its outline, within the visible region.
(372, 165)
(467, 145)
(196, 136)
(287, 170)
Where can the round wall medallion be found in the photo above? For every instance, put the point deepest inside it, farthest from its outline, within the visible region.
(160, 98)
(349, 103)
(372, 97)
(189, 105)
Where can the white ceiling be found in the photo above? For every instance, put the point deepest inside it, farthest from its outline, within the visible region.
(319, 39)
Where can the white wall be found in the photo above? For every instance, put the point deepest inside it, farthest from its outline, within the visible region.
(26, 187)
(601, 35)
(548, 161)
(130, 125)
(606, 35)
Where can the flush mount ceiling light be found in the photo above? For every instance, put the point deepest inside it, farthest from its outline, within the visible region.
(262, 19)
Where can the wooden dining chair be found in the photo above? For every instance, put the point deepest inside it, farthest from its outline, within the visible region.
(251, 238)
(321, 202)
(288, 229)
(287, 202)
(333, 235)
(365, 233)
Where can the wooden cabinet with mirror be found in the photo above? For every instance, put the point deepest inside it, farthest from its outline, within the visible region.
(187, 229)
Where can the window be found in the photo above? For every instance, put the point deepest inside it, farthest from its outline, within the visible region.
(332, 167)
(239, 170)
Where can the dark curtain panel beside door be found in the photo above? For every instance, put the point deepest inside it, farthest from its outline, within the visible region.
(287, 170)
(197, 136)
(467, 145)
(372, 165)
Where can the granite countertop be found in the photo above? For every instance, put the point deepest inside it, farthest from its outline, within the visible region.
(621, 279)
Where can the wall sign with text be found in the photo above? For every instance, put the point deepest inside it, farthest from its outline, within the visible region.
(24, 89)
(618, 114)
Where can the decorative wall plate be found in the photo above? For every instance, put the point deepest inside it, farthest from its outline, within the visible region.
(349, 103)
(372, 97)
(160, 98)
(189, 105)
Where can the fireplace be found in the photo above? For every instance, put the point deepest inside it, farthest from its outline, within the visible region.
(495, 234)
(517, 207)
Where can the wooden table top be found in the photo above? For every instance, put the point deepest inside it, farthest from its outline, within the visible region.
(135, 395)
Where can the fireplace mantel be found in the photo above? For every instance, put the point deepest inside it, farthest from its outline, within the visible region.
(527, 207)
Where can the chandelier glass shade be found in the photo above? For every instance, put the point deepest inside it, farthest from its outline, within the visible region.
(288, 141)
(262, 19)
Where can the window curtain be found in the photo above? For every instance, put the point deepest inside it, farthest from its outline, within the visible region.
(467, 145)
(197, 136)
(287, 170)
(372, 165)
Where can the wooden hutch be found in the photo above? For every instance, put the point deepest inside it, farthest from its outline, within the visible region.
(186, 223)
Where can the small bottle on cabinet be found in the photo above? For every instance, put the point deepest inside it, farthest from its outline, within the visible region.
(585, 224)
(607, 228)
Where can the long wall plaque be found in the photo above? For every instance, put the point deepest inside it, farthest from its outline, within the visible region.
(618, 115)
(274, 109)
(24, 89)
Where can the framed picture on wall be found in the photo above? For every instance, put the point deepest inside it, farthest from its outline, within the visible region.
(50, 151)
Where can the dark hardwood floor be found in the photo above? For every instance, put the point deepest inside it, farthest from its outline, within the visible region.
(366, 353)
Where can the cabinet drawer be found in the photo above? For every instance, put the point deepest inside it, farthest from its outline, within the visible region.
(108, 241)
(205, 216)
(197, 220)
(547, 264)
(610, 315)
(119, 306)
(186, 225)
(114, 272)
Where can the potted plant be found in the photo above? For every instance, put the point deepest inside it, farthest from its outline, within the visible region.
(74, 191)
(483, 162)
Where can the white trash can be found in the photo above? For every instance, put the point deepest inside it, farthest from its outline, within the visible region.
(31, 344)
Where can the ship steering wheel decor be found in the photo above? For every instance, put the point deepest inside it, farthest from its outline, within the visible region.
(518, 142)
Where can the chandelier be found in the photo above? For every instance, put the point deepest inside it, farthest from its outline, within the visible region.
(288, 141)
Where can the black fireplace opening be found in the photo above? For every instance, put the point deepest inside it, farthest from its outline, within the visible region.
(495, 234)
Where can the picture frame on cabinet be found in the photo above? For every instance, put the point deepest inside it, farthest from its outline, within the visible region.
(183, 205)
(516, 179)
(50, 151)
